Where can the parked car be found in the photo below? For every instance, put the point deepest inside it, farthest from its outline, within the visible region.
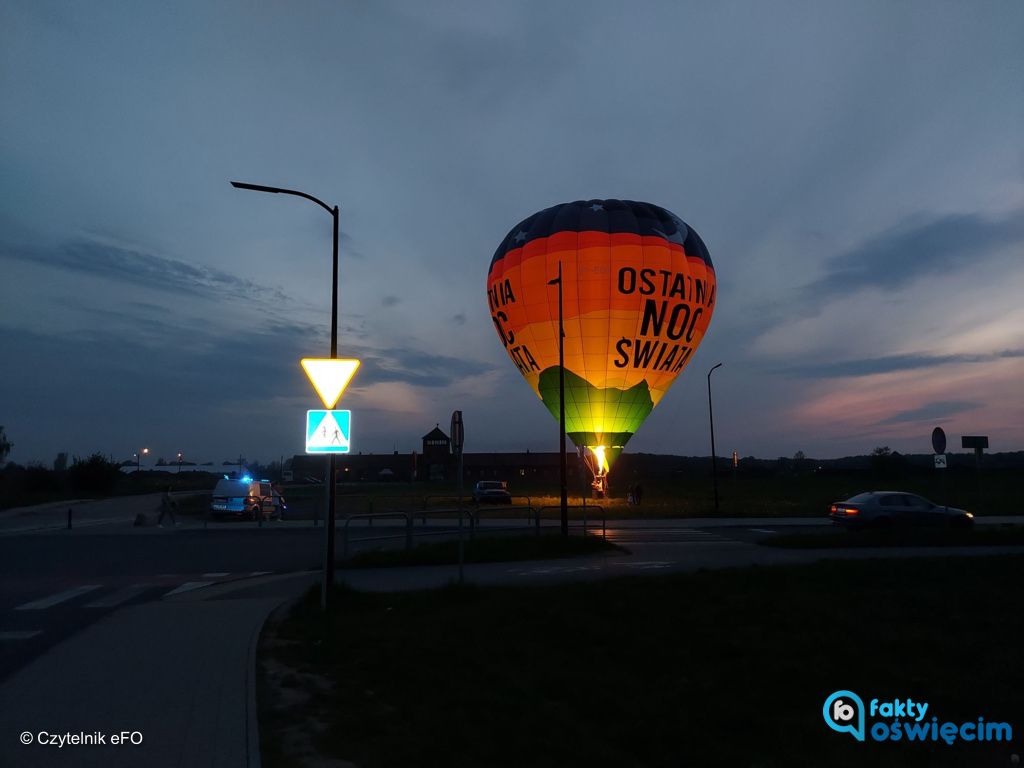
(881, 509)
(491, 492)
(247, 498)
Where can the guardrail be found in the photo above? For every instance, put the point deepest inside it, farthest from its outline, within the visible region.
(467, 499)
(584, 507)
(533, 515)
(371, 516)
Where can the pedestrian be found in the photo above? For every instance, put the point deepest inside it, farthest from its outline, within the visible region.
(167, 507)
(638, 493)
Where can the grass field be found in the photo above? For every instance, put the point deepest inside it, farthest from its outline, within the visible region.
(727, 668)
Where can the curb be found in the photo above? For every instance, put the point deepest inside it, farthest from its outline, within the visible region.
(252, 720)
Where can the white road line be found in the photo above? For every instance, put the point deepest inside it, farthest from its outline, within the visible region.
(260, 573)
(60, 597)
(20, 635)
(763, 530)
(122, 595)
(216, 575)
(188, 586)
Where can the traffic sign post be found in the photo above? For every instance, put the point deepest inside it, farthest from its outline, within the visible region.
(329, 432)
(939, 446)
(457, 440)
(979, 443)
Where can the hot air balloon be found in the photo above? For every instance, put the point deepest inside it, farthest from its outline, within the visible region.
(638, 294)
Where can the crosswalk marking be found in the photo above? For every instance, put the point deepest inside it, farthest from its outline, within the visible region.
(120, 596)
(60, 597)
(188, 586)
(23, 634)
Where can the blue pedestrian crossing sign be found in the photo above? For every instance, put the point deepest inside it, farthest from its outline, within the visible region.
(328, 431)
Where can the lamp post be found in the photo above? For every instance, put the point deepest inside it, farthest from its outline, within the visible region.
(714, 463)
(332, 465)
(561, 404)
(138, 459)
(179, 462)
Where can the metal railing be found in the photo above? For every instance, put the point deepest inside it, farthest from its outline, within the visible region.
(584, 507)
(371, 516)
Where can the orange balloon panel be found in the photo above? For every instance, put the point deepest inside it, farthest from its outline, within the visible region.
(638, 295)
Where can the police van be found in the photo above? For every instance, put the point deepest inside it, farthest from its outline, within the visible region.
(247, 498)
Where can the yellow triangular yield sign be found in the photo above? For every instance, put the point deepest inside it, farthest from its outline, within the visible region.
(330, 376)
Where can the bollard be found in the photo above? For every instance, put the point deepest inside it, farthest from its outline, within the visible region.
(69, 518)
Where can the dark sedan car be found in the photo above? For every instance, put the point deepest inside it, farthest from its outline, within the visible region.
(881, 509)
(492, 492)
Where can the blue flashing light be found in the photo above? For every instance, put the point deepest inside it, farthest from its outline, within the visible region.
(246, 479)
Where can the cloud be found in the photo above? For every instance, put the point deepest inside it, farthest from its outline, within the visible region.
(888, 364)
(390, 301)
(413, 366)
(916, 248)
(942, 410)
(137, 267)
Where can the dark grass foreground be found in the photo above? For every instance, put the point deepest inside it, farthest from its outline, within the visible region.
(726, 668)
(486, 549)
(989, 536)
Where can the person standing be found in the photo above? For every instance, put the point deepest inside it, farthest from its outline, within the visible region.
(167, 507)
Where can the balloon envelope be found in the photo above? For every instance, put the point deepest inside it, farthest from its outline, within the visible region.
(638, 293)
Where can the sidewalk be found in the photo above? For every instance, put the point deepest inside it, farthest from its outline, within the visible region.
(179, 672)
(86, 513)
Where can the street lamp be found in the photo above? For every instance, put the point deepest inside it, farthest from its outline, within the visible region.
(179, 462)
(561, 403)
(714, 464)
(138, 459)
(329, 530)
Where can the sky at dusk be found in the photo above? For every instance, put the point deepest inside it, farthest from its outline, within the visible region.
(856, 170)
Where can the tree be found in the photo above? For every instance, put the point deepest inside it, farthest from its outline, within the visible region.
(95, 475)
(5, 446)
(61, 462)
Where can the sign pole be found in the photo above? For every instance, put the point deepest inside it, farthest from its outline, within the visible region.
(457, 438)
(332, 461)
(939, 446)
